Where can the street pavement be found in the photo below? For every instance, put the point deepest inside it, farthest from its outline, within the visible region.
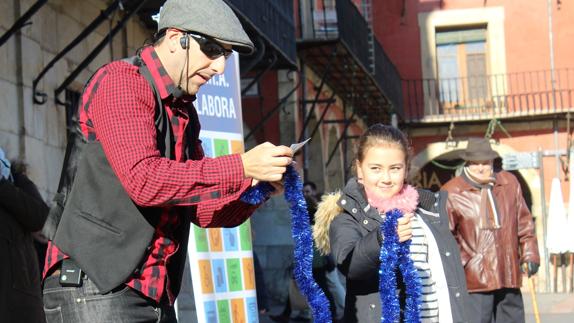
(553, 308)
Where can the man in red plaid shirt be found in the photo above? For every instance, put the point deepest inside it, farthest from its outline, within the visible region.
(119, 250)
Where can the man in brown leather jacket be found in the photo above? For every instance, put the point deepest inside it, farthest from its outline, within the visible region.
(495, 232)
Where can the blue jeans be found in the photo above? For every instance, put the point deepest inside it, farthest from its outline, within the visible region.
(86, 304)
(336, 289)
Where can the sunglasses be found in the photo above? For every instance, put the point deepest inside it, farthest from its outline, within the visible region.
(210, 47)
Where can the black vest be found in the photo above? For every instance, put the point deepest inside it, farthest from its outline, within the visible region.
(101, 228)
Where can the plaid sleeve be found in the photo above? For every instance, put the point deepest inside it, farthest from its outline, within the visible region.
(123, 120)
(229, 211)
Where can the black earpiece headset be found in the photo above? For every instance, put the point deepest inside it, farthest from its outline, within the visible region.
(184, 41)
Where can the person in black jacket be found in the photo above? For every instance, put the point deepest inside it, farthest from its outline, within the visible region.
(22, 212)
(348, 224)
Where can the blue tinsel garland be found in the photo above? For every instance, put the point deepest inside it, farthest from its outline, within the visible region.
(393, 254)
(301, 233)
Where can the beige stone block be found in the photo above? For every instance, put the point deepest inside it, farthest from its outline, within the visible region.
(88, 12)
(56, 125)
(61, 137)
(138, 33)
(50, 80)
(37, 22)
(6, 15)
(67, 29)
(100, 4)
(80, 81)
(32, 60)
(36, 160)
(54, 77)
(8, 59)
(103, 57)
(74, 9)
(49, 37)
(104, 28)
(41, 27)
(29, 113)
(10, 142)
(117, 48)
(53, 167)
(29, 108)
(8, 107)
(38, 129)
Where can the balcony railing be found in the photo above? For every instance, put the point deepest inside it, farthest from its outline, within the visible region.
(341, 21)
(388, 78)
(273, 19)
(489, 96)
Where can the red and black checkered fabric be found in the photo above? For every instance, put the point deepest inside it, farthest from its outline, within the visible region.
(117, 109)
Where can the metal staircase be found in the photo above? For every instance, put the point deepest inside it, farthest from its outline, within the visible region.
(368, 14)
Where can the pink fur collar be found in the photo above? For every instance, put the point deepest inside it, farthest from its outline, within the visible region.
(406, 200)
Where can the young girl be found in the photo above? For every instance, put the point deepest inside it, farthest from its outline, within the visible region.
(348, 225)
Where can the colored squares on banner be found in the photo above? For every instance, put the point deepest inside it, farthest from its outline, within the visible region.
(236, 146)
(205, 274)
(252, 312)
(245, 235)
(234, 274)
(210, 311)
(201, 244)
(248, 273)
(207, 146)
(219, 278)
(237, 310)
(230, 239)
(221, 147)
(215, 240)
(223, 311)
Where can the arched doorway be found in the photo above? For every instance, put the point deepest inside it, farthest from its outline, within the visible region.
(434, 174)
(435, 165)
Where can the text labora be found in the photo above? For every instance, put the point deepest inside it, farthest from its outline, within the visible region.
(216, 106)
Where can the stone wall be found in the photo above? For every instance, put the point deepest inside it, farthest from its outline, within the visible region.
(36, 133)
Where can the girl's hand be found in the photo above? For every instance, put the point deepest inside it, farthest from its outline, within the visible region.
(404, 227)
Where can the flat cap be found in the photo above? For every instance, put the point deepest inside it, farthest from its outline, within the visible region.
(479, 149)
(212, 18)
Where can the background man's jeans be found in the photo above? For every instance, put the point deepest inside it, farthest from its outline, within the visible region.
(86, 304)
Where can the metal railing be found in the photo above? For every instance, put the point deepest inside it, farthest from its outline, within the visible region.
(344, 22)
(488, 96)
(274, 19)
(388, 78)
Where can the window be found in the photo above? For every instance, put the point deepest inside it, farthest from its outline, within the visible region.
(325, 19)
(462, 68)
(253, 90)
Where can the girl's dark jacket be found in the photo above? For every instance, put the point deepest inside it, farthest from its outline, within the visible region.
(344, 228)
(22, 212)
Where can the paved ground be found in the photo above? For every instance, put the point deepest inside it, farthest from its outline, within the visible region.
(275, 310)
(553, 308)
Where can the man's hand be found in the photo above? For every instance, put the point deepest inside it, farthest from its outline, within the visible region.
(530, 268)
(266, 162)
(404, 227)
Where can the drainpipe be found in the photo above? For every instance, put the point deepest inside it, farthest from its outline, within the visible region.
(553, 83)
(303, 109)
(23, 20)
(20, 87)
